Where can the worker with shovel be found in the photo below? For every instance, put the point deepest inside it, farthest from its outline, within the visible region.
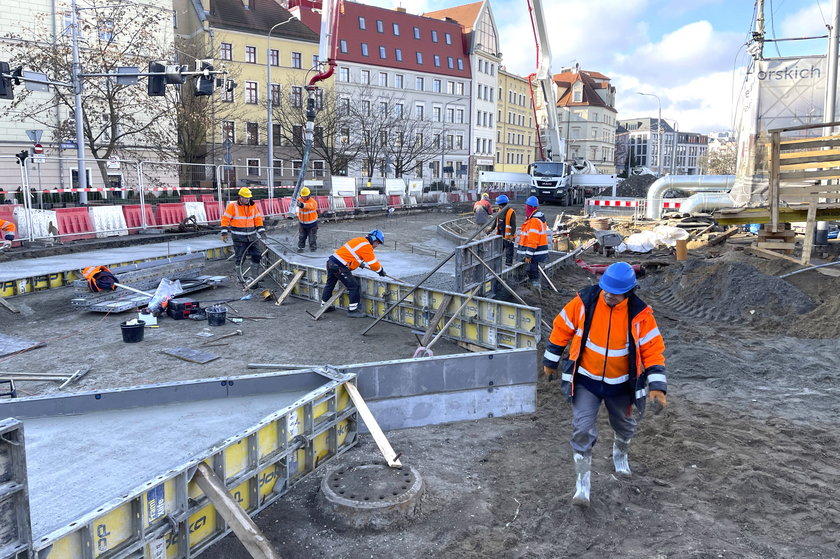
(533, 240)
(355, 253)
(615, 357)
(243, 220)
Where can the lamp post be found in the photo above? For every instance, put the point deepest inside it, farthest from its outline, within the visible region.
(442, 136)
(270, 93)
(676, 142)
(658, 128)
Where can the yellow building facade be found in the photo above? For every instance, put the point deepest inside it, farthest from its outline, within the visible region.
(515, 131)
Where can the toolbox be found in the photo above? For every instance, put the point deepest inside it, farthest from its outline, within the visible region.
(182, 308)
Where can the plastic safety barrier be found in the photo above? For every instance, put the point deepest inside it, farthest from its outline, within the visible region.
(7, 213)
(206, 198)
(189, 198)
(211, 211)
(108, 221)
(133, 217)
(395, 201)
(323, 204)
(74, 223)
(196, 209)
(285, 204)
(171, 213)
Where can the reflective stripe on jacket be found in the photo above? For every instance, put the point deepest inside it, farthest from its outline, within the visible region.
(355, 251)
(7, 227)
(309, 212)
(506, 224)
(90, 274)
(612, 345)
(242, 219)
(533, 239)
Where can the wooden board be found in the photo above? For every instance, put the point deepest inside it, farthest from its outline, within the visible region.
(191, 355)
(8, 305)
(10, 344)
(328, 304)
(292, 284)
(391, 457)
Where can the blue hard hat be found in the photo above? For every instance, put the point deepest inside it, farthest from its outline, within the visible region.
(532, 201)
(618, 278)
(376, 235)
(502, 199)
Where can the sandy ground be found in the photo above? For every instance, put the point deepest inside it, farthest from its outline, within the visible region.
(742, 463)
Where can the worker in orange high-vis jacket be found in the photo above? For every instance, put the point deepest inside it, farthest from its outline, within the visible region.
(482, 209)
(307, 220)
(355, 253)
(505, 226)
(533, 240)
(243, 221)
(615, 357)
(7, 229)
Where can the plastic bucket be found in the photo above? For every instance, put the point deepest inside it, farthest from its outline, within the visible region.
(216, 317)
(132, 333)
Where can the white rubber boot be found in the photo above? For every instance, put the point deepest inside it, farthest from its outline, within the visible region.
(583, 465)
(620, 460)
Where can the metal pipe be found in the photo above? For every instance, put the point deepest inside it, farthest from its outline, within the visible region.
(690, 183)
(77, 94)
(706, 201)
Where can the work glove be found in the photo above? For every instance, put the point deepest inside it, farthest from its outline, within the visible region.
(550, 373)
(362, 265)
(527, 259)
(224, 237)
(300, 204)
(381, 272)
(9, 237)
(657, 398)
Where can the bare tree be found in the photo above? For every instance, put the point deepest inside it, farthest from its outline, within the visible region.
(415, 142)
(720, 161)
(119, 120)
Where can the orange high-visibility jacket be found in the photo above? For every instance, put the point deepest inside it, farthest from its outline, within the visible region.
(90, 275)
(533, 239)
(7, 227)
(622, 342)
(242, 220)
(506, 224)
(309, 212)
(355, 251)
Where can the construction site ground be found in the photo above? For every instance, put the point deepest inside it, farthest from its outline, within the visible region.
(743, 463)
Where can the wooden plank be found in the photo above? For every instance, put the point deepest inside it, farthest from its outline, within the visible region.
(234, 516)
(807, 143)
(262, 275)
(439, 313)
(288, 290)
(810, 227)
(777, 246)
(799, 176)
(809, 163)
(808, 190)
(8, 305)
(391, 457)
(75, 376)
(788, 156)
(774, 180)
(722, 237)
(784, 234)
(324, 307)
(765, 252)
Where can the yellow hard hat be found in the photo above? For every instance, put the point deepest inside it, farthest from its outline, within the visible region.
(485, 195)
(245, 192)
(304, 191)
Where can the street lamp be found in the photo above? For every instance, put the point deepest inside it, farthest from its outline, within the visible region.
(442, 135)
(658, 128)
(674, 167)
(270, 93)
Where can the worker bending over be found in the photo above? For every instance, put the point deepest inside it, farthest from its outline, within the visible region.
(482, 210)
(355, 253)
(533, 240)
(307, 220)
(7, 229)
(615, 357)
(505, 226)
(243, 220)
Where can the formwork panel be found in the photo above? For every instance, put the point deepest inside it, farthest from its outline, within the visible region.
(14, 500)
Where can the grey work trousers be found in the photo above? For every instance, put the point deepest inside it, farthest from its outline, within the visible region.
(585, 406)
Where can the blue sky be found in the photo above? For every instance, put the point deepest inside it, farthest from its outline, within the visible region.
(691, 53)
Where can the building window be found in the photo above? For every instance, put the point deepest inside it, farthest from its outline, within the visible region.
(252, 133)
(251, 55)
(251, 93)
(417, 33)
(364, 49)
(362, 23)
(460, 114)
(419, 111)
(434, 36)
(382, 53)
(297, 96)
(275, 94)
(418, 84)
(344, 74)
(366, 107)
(383, 108)
(419, 57)
(436, 114)
(226, 51)
(460, 63)
(436, 86)
(383, 79)
(274, 57)
(277, 135)
(450, 62)
(450, 115)
(296, 60)
(437, 60)
(450, 87)
(253, 167)
(297, 138)
(344, 134)
(448, 38)
(342, 44)
(398, 54)
(398, 81)
(380, 28)
(398, 110)
(460, 88)
(364, 77)
(318, 168)
(227, 96)
(344, 106)
(229, 130)
(396, 29)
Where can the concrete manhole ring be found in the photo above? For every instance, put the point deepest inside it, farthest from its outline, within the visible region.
(369, 495)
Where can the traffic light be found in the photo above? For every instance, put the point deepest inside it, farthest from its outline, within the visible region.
(6, 88)
(157, 84)
(205, 83)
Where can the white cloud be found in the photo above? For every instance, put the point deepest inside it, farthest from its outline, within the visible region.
(807, 22)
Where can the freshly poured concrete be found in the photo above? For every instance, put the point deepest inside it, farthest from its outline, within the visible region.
(77, 463)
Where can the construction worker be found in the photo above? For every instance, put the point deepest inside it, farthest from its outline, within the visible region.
(7, 229)
(533, 240)
(243, 220)
(505, 226)
(482, 210)
(99, 278)
(307, 220)
(355, 253)
(615, 356)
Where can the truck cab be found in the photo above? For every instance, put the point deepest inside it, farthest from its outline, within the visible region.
(550, 182)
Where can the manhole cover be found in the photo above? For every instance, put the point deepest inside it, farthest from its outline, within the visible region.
(372, 495)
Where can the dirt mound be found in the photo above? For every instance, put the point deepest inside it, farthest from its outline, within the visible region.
(635, 186)
(721, 289)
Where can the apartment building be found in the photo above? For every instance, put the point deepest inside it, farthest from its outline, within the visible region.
(515, 129)
(586, 116)
(681, 151)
